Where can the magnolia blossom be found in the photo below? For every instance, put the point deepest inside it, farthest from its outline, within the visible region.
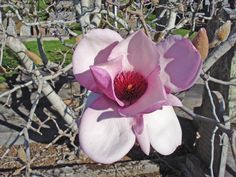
(132, 81)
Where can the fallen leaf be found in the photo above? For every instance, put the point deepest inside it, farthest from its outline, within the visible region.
(17, 172)
(3, 87)
(21, 154)
(2, 70)
(34, 57)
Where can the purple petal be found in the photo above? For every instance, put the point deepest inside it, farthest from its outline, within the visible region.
(104, 135)
(104, 75)
(164, 130)
(180, 63)
(172, 100)
(153, 98)
(94, 48)
(138, 51)
(141, 134)
(138, 124)
(143, 140)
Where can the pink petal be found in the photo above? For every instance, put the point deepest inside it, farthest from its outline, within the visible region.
(104, 75)
(143, 140)
(104, 136)
(94, 48)
(153, 98)
(172, 100)
(138, 51)
(180, 63)
(138, 124)
(164, 130)
(141, 134)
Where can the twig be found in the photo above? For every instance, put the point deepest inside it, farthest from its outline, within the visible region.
(40, 47)
(16, 88)
(50, 144)
(206, 119)
(218, 52)
(3, 42)
(232, 140)
(139, 13)
(218, 81)
(194, 15)
(215, 129)
(61, 71)
(26, 135)
(122, 22)
(120, 6)
(47, 90)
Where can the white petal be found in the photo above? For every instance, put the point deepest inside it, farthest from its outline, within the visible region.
(93, 49)
(164, 130)
(143, 141)
(90, 46)
(104, 136)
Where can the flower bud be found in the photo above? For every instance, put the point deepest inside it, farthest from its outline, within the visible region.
(201, 43)
(223, 32)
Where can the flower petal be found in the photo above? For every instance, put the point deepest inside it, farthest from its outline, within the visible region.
(180, 63)
(138, 124)
(141, 134)
(143, 141)
(104, 75)
(164, 130)
(138, 51)
(153, 98)
(172, 100)
(94, 48)
(104, 135)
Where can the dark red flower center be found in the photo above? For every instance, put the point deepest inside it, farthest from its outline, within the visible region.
(129, 86)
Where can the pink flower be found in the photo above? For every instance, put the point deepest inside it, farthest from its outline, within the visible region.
(131, 82)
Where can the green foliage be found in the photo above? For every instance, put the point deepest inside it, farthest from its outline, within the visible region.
(149, 20)
(9, 59)
(42, 5)
(52, 50)
(2, 79)
(75, 27)
(184, 32)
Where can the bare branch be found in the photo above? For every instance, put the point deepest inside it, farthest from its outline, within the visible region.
(219, 51)
(47, 90)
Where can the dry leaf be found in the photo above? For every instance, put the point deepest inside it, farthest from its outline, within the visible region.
(3, 87)
(34, 57)
(200, 41)
(180, 7)
(78, 38)
(70, 102)
(2, 70)
(158, 36)
(17, 172)
(155, 2)
(21, 154)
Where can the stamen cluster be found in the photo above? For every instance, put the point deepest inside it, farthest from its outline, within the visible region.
(129, 86)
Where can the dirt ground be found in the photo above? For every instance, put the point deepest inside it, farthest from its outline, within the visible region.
(59, 158)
